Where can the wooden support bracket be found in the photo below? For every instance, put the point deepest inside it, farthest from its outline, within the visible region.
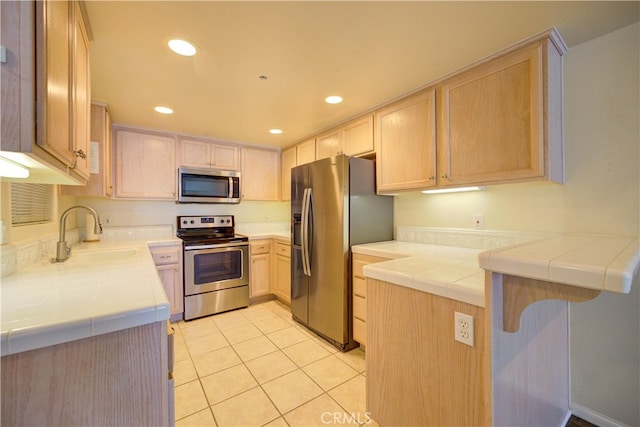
(519, 292)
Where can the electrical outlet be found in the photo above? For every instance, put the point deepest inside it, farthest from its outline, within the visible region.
(463, 328)
(478, 221)
(106, 220)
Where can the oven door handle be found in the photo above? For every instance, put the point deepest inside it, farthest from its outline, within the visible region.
(221, 245)
(306, 212)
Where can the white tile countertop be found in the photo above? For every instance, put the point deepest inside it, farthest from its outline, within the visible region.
(607, 263)
(103, 287)
(446, 271)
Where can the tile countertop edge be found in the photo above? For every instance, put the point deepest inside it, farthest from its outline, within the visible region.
(461, 285)
(584, 265)
(576, 260)
(24, 337)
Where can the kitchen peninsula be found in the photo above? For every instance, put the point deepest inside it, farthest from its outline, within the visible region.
(517, 370)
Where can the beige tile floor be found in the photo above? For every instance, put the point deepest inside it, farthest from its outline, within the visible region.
(256, 366)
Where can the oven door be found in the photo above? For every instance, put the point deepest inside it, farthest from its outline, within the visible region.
(210, 268)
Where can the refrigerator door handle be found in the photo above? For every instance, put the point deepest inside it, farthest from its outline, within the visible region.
(306, 212)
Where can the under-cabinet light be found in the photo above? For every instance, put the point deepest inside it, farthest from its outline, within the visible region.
(275, 131)
(9, 169)
(452, 190)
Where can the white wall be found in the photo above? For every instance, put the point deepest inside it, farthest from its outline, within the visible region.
(125, 213)
(601, 195)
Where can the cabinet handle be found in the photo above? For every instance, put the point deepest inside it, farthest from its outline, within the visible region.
(431, 178)
(445, 176)
(76, 154)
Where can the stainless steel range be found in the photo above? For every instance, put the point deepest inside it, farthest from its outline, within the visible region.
(216, 265)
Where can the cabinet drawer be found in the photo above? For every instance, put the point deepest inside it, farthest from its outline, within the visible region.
(360, 287)
(282, 249)
(166, 256)
(360, 331)
(260, 248)
(360, 308)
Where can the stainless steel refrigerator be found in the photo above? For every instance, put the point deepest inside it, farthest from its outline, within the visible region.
(333, 206)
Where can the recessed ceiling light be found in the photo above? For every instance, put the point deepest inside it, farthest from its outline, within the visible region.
(333, 99)
(182, 47)
(275, 131)
(163, 110)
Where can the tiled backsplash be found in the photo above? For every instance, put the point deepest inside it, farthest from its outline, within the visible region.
(18, 255)
(465, 238)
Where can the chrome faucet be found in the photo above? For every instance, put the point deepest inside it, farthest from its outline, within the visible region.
(62, 250)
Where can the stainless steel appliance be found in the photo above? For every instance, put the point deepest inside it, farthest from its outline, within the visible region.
(208, 186)
(333, 206)
(216, 265)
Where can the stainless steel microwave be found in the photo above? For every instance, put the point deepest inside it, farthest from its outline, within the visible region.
(208, 186)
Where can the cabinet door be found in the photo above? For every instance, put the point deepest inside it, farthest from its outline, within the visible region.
(306, 152)
(54, 39)
(405, 135)
(100, 183)
(171, 278)
(329, 144)
(81, 95)
(144, 166)
(260, 174)
(491, 121)
(283, 278)
(358, 136)
(259, 275)
(287, 161)
(195, 153)
(224, 157)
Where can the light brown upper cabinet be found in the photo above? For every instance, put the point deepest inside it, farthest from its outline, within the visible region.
(296, 155)
(406, 140)
(100, 183)
(501, 121)
(203, 154)
(56, 77)
(287, 161)
(306, 152)
(144, 165)
(260, 173)
(63, 84)
(354, 138)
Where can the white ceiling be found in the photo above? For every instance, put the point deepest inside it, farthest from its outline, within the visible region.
(367, 52)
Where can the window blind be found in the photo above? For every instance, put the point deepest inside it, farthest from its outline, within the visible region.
(31, 203)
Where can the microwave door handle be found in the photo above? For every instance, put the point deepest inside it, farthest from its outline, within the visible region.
(230, 188)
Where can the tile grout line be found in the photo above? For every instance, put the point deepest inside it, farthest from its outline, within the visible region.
(252, 321)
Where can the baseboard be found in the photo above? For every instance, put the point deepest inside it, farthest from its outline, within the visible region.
(566, 419)
(594, 417)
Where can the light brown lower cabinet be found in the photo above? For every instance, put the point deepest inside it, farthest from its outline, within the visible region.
(282, 279)
(119, 378)
(359, 291)
(417, 374)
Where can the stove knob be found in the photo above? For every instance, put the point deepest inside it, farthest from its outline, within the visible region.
(193, 222)
(228, 221)
(184, 221)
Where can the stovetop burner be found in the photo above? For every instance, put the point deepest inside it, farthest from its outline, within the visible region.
(208, 229)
